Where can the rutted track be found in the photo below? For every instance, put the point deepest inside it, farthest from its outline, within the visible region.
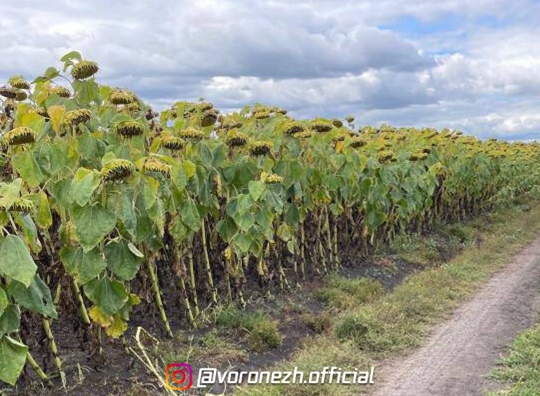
(457, 357)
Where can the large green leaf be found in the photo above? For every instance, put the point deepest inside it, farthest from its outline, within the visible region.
(240, 173)
(29, 231)
(70, 56)
(219, 154)
(10, 320)
(256, 189)
(91, 149)
(16, 261)
(190, 215)
(226, 228)
(3, 301)
(178, 230)
(243, 204)
(36, 298)
(244, 221)
(157, 214)
(61, 192)
(122, 205)
(242, 242)
(26, 165)
(150, 191)
(179, 176)
(92, 224)
(109, 295)
(86, 91)
(292, 215)
(12, 359)
(121, 261)
(43, 215)
(83, 266)
(83, 185)
(9, 193)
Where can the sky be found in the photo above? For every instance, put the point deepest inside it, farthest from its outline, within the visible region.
(460, 64)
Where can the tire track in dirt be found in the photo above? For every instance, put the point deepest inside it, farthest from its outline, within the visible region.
(459, 354)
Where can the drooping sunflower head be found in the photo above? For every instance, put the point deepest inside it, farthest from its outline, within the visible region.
(349, 119)
(291, 128)
(129, 129)
(19, 83)
(21, 205)
(229, 123)
(42, 112)
(76, 117)
(122, 97)
(337, 123)
(401, 137)
(173, 143)
(303, 135)
(117, 170)
(209, 118)
(386, 156)
(321, 126)
(133, 106)
(260, 148)
(357, 142)
(61, 91)
(431, 134)
(235, 138)
(154, 165)
(19, 136)
(191, 134)
(84, 69)
(279, 110)
(271, 178)
(204, 106)
(261, 114)
(339, 138)
(418, 156)
(21, 96)
(8, 92)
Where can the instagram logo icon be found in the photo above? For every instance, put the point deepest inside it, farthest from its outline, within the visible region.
(179, 376)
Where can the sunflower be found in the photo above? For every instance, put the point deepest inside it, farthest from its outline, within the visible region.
(117, 170)
(122, 97)
(8, 92)
(154, 165)
(19, 136)
(129, 129)
(20, 83)
(236, 138)
(173, 143)
(61, 91)
(191, 134)
(84, 69)
(260, 148)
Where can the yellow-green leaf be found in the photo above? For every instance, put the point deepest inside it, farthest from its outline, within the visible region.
(117, 328)
(98, 316)
(56, 113)
(43, 215)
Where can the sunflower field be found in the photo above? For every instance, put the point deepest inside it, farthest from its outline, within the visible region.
(109, 210)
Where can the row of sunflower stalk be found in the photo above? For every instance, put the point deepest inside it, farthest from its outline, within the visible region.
(109, 209)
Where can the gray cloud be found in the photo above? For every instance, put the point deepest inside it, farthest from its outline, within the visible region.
(315, 57)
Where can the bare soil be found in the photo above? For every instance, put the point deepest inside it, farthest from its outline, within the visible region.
(459, 354)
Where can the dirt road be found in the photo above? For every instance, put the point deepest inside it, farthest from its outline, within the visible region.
(458, 355)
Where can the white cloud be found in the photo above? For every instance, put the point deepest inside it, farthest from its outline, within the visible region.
(316, 57)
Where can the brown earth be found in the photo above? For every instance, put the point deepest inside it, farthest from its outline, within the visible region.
(457, 357)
